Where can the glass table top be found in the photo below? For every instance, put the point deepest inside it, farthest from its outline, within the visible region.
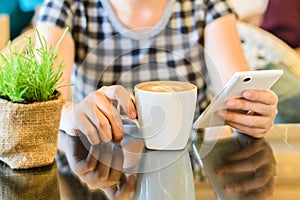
(214, 165)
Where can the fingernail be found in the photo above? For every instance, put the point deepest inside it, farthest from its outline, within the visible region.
(221, 113)
(131, 181)
(229, 187)
(219, 171)
(247, 94)
(133, 115)
(118, 142)
(230, 104)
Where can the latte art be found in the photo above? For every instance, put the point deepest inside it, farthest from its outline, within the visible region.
(165, 86)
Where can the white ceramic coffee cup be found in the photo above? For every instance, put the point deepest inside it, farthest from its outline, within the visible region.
(166, 118)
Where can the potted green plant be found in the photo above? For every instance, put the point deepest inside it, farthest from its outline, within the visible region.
(30, 104)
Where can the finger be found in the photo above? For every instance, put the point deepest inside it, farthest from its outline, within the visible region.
(126, 189)
(267, 97)
(105, 160)
(101, 122)
(94, 181)
(88, 164)
(251, 131)
(240, 167)
(246, 152)
(250, 121)
(111, 113)
(247, 165)
(102, 155)
(76, 155)
(92, 158)
(260, 180)
(87, 128)
(123, 193)
(119, 93)
(246, 105)
(261, 193)
(101, 171)
(117, 163)
(91, 122)
(115, 169)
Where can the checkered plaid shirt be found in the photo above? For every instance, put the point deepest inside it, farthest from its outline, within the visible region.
(108, 53)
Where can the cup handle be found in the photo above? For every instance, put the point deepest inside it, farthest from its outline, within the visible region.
(129, 122)
(125, 119)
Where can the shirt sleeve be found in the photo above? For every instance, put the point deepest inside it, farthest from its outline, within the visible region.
(216, 9)
(56, 13)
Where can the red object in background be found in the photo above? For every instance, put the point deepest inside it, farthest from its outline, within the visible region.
(282, 18)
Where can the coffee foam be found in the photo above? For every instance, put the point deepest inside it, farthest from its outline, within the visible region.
(165, 86)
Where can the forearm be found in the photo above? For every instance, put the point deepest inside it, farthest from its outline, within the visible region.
(224, 50)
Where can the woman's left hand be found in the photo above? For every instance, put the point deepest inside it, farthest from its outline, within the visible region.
(260, 110)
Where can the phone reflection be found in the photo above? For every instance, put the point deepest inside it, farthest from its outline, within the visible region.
(100, 167)
(241, 167)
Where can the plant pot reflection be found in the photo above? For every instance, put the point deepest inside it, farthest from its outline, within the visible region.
(37, 183)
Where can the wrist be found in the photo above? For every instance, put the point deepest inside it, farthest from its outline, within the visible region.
(67, 117)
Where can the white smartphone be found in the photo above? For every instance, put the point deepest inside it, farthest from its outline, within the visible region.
(254, 80)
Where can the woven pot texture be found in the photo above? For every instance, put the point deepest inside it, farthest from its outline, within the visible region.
(29, 133)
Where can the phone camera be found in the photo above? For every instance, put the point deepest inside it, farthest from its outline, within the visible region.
(247, 79)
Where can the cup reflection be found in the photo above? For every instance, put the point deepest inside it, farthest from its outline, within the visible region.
(165, 175)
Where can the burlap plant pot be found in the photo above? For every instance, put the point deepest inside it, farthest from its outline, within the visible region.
(29, 133)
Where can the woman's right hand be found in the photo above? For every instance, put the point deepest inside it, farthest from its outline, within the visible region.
(96, 115)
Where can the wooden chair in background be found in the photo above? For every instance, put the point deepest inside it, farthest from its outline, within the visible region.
(263, 50)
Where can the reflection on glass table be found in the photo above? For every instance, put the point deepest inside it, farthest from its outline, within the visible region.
(99, 167)
(165, 175)
(35, 183)
(235, 167)
(128, 170)
(281, 143)
(241, 167)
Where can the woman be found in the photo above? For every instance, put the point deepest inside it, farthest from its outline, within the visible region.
(143, 40)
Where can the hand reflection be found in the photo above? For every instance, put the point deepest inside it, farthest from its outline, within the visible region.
(98, 166)
(254, 164)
